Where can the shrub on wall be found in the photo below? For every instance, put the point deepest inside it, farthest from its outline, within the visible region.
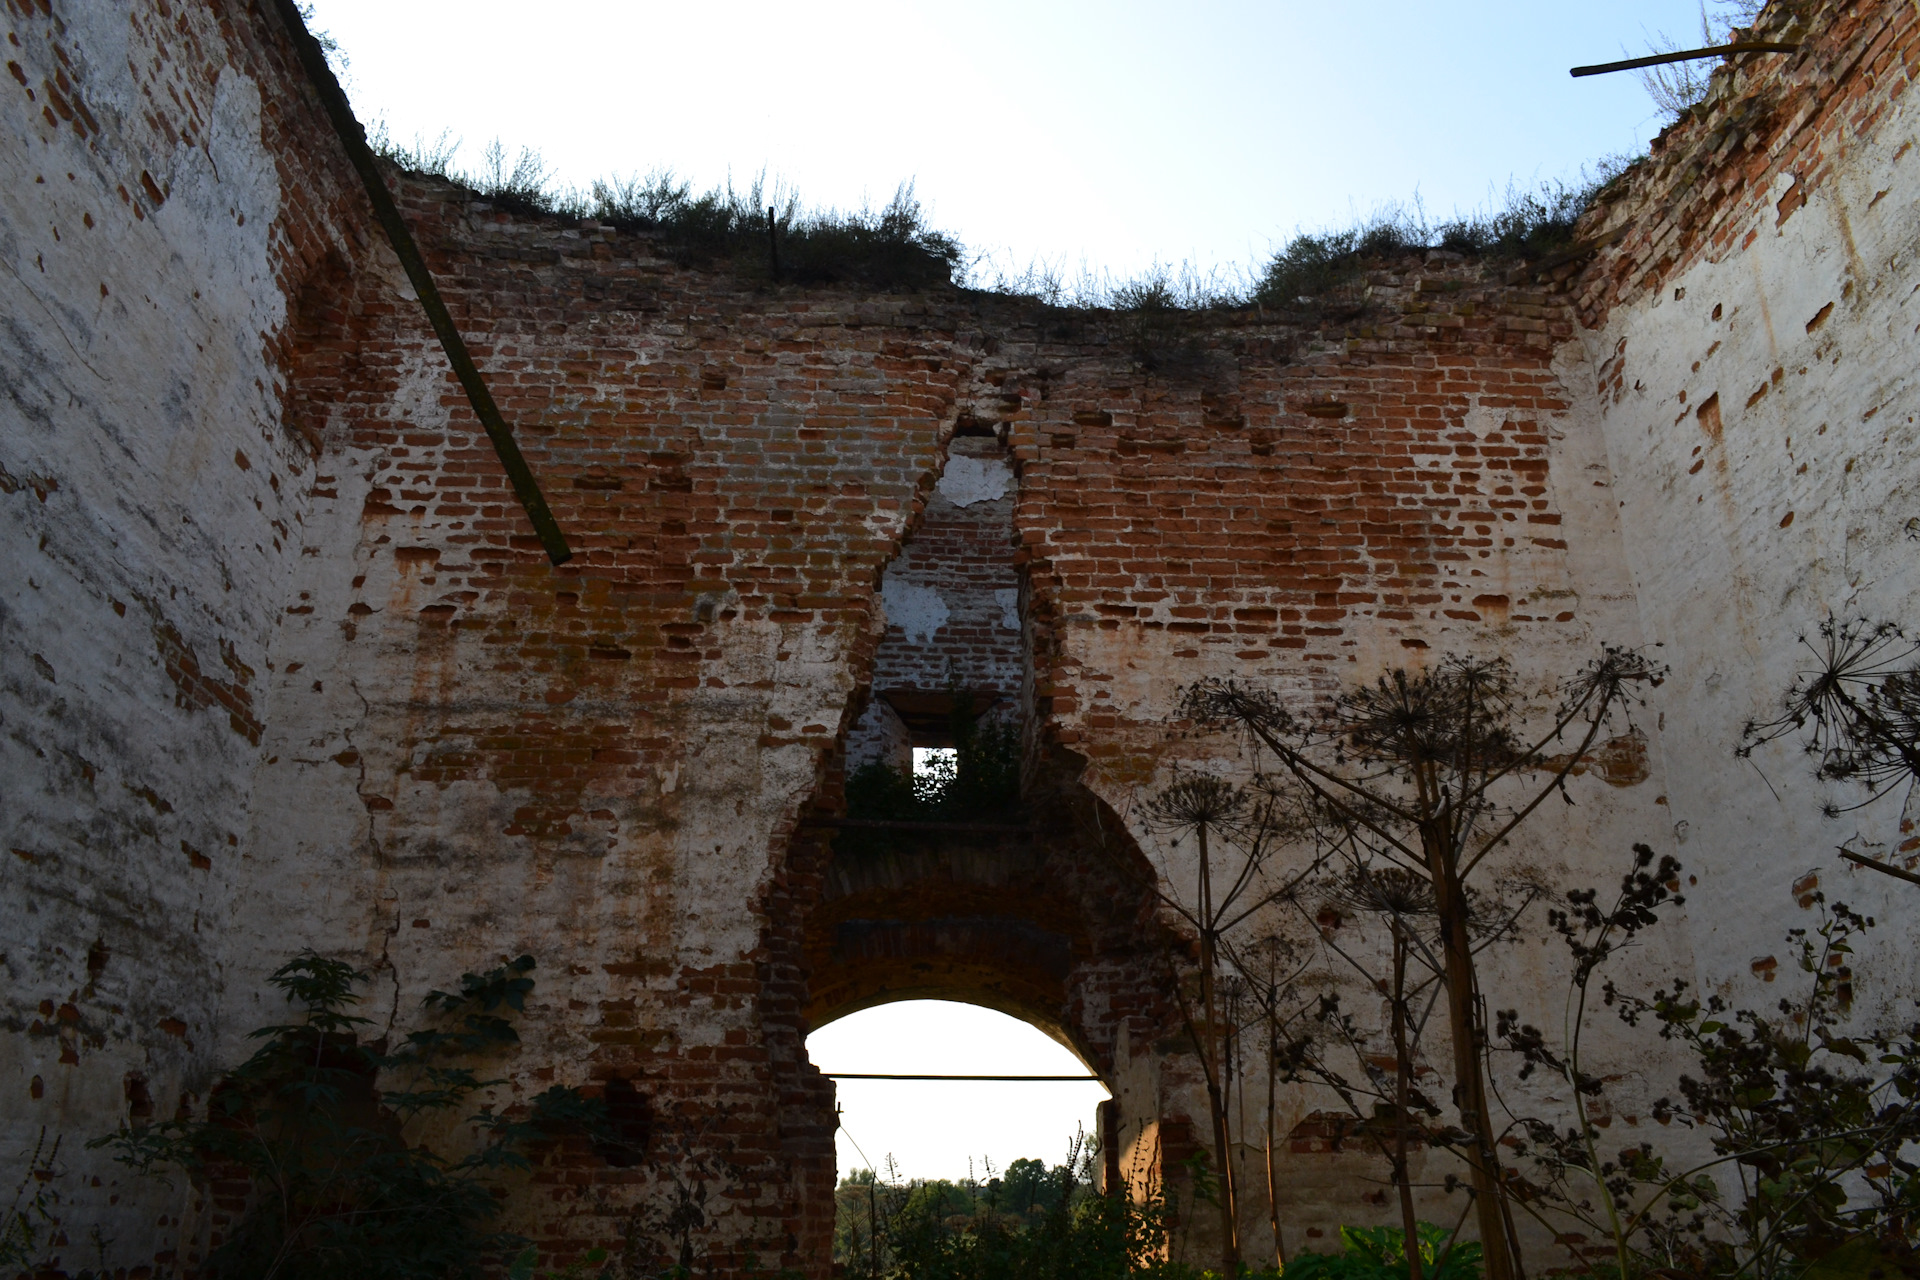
(316, 1126)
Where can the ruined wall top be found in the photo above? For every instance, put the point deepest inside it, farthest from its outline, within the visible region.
(1765, 134)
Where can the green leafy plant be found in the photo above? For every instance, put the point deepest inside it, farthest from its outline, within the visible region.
(1810, 1124)
(525, 1266)
(1380, 1253)
(1572, 1169)
(317, 1123)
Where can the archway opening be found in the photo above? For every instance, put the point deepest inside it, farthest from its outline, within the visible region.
(945, 1128)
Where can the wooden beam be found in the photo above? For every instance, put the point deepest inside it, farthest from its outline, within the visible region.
(862, 1075)
(891, 824)
(1685, 55)
(313, 60)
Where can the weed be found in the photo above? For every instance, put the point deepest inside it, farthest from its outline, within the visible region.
(758, 228)
(1380, 1253)
(30, 1215)
(1676, 87)
(523, 1267)
(759, 231)
(763, 231)
(432, 158)
(1527, 225)
(1857, 710)
(337, 1187)
(1429, 771)
(1239, 841)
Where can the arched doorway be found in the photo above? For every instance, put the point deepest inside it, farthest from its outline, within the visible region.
(912, 1127)
(1045, 922)
(1018, 890)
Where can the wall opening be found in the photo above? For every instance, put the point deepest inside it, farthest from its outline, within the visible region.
(934, 762)
(951, 1129)
(949, 671)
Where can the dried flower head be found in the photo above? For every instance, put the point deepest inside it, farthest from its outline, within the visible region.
(1196, 801)
(1858, 708)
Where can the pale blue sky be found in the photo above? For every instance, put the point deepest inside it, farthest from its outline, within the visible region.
(1106, 133)
(1109, 135)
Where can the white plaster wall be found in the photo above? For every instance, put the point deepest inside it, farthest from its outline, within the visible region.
(150, 503)
(1742, 539)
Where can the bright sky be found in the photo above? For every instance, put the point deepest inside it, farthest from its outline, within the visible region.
(1106, 135)
(1110, 134)
(932, 1128)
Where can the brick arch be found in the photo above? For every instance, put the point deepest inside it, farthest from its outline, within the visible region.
(1001, 963)
(1052, 925)
(1045, 924)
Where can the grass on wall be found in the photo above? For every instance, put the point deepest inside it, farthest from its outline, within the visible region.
(760, 229)
(764, 230)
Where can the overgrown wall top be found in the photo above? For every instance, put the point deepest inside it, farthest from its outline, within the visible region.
(475, 754)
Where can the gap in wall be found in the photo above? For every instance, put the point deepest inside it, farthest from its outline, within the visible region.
(951, 1129)
(952, 600)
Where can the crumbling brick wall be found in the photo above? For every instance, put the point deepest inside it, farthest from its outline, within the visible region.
(411, 742)
(170, 204)
(952, 604)
(1750, 328)
(599, 764)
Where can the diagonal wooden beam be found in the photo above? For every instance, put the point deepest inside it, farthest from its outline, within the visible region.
(354, 138)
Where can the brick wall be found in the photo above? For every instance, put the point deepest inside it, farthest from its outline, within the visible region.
(601, 764)
(373, 720)
(952, 601)
(170, 205)
(1751, 336)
